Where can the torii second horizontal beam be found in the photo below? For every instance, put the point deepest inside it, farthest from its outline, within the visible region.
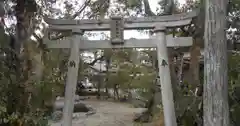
(130, 43)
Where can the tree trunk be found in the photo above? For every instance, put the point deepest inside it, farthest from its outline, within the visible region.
(107, 77)
(194, 62)
(180, 70)
(16, 88)
(115, 89)
(99, 85)
(173, 75)
(216, 109)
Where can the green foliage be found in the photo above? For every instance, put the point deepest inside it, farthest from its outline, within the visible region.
(234, 87)
(234, 5)
(130, 72)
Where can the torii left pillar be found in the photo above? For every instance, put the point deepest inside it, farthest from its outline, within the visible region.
(72, 75)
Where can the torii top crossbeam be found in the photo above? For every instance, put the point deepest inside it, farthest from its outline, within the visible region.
(129, 23)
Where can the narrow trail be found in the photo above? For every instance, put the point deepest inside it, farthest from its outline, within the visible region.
(107, 114)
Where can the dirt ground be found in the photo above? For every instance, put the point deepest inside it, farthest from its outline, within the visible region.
(107, 114)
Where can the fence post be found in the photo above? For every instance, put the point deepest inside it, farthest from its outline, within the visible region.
(165, 79)
(72, 76)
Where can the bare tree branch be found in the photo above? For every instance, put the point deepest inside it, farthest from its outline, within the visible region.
(81, 9)
(36, 36)
(95, 60)
(148, 11)
(62, 35)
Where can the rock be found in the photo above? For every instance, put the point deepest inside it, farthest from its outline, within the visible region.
(144, 117)
(78, 107)
(57, 115)
(77, 116)
(90, 112)
(123, 99)
(138, 103)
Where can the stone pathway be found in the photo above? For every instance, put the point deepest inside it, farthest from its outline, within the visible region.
(107, 114)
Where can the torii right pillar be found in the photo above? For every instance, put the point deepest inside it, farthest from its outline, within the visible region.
(165, 79)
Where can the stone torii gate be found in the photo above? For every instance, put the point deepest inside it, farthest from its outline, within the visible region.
(117, 25)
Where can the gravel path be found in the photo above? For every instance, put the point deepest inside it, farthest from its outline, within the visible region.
(107, 114)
